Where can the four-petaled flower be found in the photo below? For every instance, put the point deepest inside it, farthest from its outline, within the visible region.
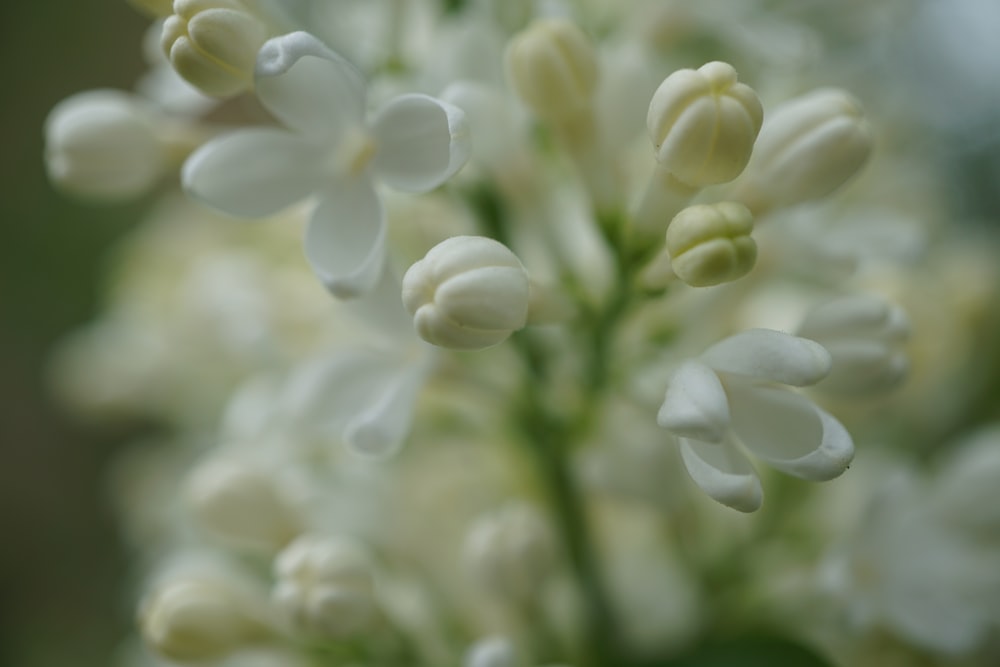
(328, 149)
(733, 394)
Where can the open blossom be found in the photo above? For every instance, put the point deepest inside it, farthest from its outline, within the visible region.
(328, 150)
(733, 394)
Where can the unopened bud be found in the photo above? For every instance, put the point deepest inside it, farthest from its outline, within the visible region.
(213, 44)
(467, 293)
(552, 66)
(325, 587)
(864, 336)
(103, 144)
(710, 244)
(809, 147)
(703, 124)
(510, 553)
(193, 620)
(241, 505)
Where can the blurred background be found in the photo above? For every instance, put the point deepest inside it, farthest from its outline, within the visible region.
(62, 600)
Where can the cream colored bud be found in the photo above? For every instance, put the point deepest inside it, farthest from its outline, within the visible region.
(552, 66)
(194, 620)
(324, 587)
(103, 144)
(242, 506)
(510, 553)
(467, 293)
(213, 44)
(703, 124)
(710, 244)
(809, 147)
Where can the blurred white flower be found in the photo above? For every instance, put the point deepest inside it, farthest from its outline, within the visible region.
(413, 143)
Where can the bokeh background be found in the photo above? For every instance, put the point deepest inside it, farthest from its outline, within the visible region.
(62, 566)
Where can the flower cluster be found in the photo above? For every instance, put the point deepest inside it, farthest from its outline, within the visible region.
(501, 434)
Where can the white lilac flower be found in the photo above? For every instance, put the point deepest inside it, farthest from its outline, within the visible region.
(329, 150)
(735, 393)
(864, 336)
(324, 587)
(923, 560)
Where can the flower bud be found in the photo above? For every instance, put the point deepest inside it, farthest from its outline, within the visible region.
(192, 620)
(103, 144)
(809, 147)
(864, 336)
(324, 587)
(213, 44)
(467, 293)
(703, 124)
(710, 244)
(242, 506)
(553, 68)
(510, 553)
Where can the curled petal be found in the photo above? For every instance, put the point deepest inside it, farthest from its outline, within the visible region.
(308, 87)
(764, 354)
(252, 173)
(421, 142)
(696, 405)
(383, 425)
(346, 238)
(790, 432)
(723, 473)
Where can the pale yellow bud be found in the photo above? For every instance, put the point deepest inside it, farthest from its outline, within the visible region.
(213, 44)
(703, 124)
(467, 293)
(104, 144)
(809, 147)
(194, 620)
(710, 244)
(552, 66)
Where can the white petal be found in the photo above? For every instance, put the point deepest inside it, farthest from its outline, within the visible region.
(326, 394)
(384, 424)
(770, 355)
(863, 367)
(696, 405)
(252, 173)
(723, 473)
(790, 432)
(308, 87)
(421, 142)
(346, 238)
(857, 316)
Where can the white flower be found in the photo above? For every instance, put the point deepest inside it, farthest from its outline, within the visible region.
(324, 587)
(467, 293)
(703, 124)
(104, 144)
(242, 505)
(732, 394)
(194, 619)
(413, 143)
(491, 652)
(863, 335)
(923, 562)
(510, 553)
(711, 244)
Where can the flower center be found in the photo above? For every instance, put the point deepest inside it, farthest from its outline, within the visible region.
(355, 152)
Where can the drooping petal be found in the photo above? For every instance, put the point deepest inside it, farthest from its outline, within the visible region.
(346, 238)
(382, 427)
(765, 354)
(790, 432)
(421, 142)
(308, 87)
(253, 173)
(723, 473)
(324, 395)
(696, 405)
